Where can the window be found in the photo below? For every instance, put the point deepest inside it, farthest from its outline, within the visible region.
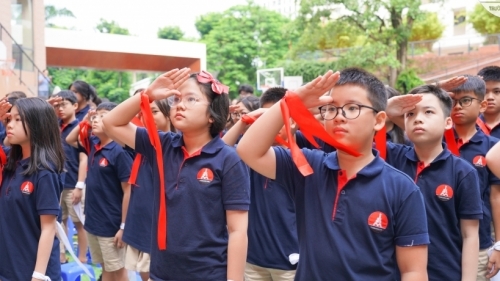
(22, 31)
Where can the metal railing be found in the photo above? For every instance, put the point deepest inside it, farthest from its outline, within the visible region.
(21, 57)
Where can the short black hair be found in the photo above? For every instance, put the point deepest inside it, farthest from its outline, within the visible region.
(106, 106)
(245, 88)
(85, 89)
(251, 103)
(362, 78)
(272, 95)
(474, 84)
(17, 94)
(490, 73)
(219, 106)
(444, 98)
(67, 95)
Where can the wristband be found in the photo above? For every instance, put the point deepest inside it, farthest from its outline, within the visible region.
(80, 185)
(496, 246)
(39, 276)
(122, 226)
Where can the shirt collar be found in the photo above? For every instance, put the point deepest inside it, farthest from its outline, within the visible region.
(476, 138)
(412, 155)
(373, 168)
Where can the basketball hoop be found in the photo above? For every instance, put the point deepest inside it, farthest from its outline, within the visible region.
(7, 67)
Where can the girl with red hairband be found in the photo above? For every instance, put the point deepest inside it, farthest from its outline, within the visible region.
(203, 195)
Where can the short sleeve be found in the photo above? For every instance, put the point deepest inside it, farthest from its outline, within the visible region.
(396, 154)
(411, 221)
(123, 165)
(287, 174)
(47, 192)
(470, 205)
(143, 144)
(492, 179)
(236, 187)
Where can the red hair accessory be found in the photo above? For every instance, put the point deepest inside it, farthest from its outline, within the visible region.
(217, 87)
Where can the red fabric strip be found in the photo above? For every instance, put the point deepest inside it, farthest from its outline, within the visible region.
(154, 138)
(249, 120)
(135, 169)
(3, 161)
(381, 142)
(449, 136)
(136, 121)
(486, 130)
(84, 135)
(292, 106)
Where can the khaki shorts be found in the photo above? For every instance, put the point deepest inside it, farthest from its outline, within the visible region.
(482, 266)
(104, 251)
(257, 273)
(67, 205)
(136, 260)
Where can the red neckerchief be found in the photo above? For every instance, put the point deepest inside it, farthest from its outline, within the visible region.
(84, 135)
(292, 106)
(138, 157)
(3, 161)
(486, 130)
(154, 138)
(249, 120)
(381, 142)
(449, 137)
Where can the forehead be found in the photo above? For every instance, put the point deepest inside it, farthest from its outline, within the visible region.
(465, 94)
(349, 93)
(101, 111)
(192, 87)
(429, 100)
(492, 84)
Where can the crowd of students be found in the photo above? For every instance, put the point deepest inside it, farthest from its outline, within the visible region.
(340, 179)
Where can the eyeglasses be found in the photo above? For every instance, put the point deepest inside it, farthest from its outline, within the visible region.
(351, 111)
(62, 105)
(237, 115)
(188, 100)
(100, 116)
(464, 102)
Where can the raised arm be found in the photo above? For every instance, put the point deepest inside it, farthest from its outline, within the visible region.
(399, 105)
(73, 137)
(117, 121)
(493, 159)
(255, 146)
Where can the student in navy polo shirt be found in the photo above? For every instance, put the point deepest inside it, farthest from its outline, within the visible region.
(84, 94)
(449, 184)
(66, 109)
(107, 196)
(206, 192)
(272, 232)
(355, 215)
(473, 145)
(29, 193)
(489, 121)
(137, 234)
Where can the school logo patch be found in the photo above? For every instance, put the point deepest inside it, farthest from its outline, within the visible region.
(444, 192)
(378, 221)
(479, 161)
(103, 162)
(27, 187)
(205, 175)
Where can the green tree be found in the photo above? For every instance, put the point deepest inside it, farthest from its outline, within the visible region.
(112, 27)
(427, 27)
(242, 39)
(205, 23)
(483, 21)
(386, 25)
(51, 12)
(170, 32)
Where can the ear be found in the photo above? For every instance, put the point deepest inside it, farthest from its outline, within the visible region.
(75, 106)
(448, 123)
(380, 120)
(210, 120)
(483, 105)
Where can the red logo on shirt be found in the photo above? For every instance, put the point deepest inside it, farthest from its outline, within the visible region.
(205, 175)
(479, 161)
(103, 162)
(27, 188)
(444, 192)
(378, 221)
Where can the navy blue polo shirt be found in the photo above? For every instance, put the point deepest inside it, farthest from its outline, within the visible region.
(3, 133)
(349, 229)
(495, 131)
(272, 228)
(108, 167)
(450, 187)
(72, 162)
(137, 231)
(199, 190)
(474, 152)
(23, 199)
(81, 113)
(302, 142)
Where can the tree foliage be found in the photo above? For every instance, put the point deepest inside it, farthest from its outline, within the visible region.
(427, 27)
(408, 80)
(483, 21)
(111, 27)
(170, 32)
(242, 39)
(51, 13)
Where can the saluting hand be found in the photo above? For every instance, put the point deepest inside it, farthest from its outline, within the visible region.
(4, 109)
(400, 105)
(166, 84)
(452, 83)
(312, 93)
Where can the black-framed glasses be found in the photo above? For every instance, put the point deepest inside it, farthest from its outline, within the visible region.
(464, 102)
(237, 115)
(349, 111)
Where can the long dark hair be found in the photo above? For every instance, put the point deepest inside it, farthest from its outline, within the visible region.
(87, 91)
(40, 125)
(165, 110)
(251, 103)
(397, 134)
(218, 109)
